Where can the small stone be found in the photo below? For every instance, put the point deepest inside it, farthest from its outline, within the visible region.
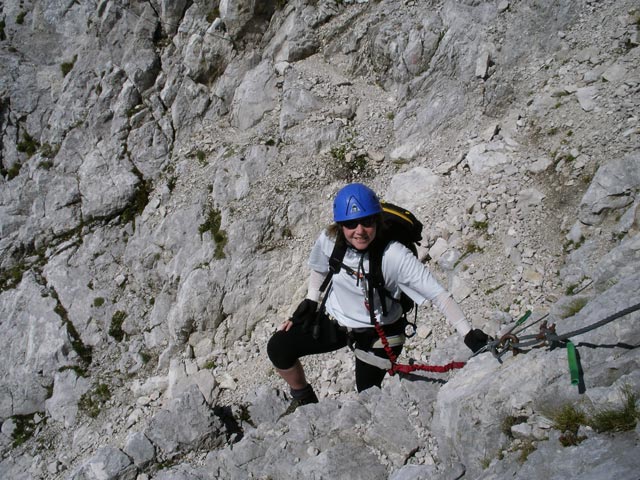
(575, 234)
(8, 427)
(52, 467)
(585, 97)
(532, 276)
(448, 259)
(480, 217)
(423, 331)
(540, 165)
(438, 248)
(503, 6)
(482, 65)
(522, 431)
(227, 382)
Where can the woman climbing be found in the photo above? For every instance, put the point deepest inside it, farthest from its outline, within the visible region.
(350, 308)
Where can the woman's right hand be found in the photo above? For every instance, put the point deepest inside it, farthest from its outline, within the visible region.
(285, 326)
(305, 314)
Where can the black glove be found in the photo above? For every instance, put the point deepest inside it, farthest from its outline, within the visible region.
(476, 339)
(305, 313)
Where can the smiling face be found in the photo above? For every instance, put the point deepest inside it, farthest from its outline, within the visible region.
(359, 233)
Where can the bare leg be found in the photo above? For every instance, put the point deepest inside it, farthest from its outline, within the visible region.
(294, 376)
(301, 391)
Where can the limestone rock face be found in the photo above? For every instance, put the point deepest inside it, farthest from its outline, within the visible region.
(108, 462)
(255, 96)
(615, 186)
(166, 166)
(186, 424)
(35, 345)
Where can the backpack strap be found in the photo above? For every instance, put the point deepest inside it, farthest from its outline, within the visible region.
(335, 261)
(376, 279)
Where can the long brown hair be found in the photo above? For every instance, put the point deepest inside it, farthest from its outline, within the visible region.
(334, 230)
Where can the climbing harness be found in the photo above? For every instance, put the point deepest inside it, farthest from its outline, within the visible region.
(392, 366)
(391, 363)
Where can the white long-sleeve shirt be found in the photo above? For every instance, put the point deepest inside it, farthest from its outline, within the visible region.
(402, 272)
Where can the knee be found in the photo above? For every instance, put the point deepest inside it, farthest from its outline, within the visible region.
(279, 351)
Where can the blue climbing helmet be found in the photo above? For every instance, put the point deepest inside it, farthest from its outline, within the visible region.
(355, 201)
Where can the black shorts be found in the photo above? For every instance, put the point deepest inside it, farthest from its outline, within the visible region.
(285, 348)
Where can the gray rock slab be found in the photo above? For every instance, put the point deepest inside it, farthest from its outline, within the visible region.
(139, 448)
(187, 423)
(108, 463)
(614, 186)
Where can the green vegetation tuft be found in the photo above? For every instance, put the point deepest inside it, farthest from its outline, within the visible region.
(574, 287)
(20, 17)
(81, 372)
(84, 352)
(509, 421)
(210, 365)
(12, 276)
(568, 420)
(135, 109)
(145, 357)
(339, 153)
(28, 145)
(616, 419)
(115, 329)
(526, 449)
(491, 290)
(139, 200)
(571, 245)
(93, 401)
(202, 157)
(98, 302)
(213, 14)
(469, 249)
(212, 224)
(620, 419)
(347, 164)
(484, 226)
(13, 171)
(45, 164)
(567, 157)
(574, 307)
(25, 428)
(66, 67)
(245, 416)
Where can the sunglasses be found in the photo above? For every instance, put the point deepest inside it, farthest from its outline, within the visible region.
(366, 222)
